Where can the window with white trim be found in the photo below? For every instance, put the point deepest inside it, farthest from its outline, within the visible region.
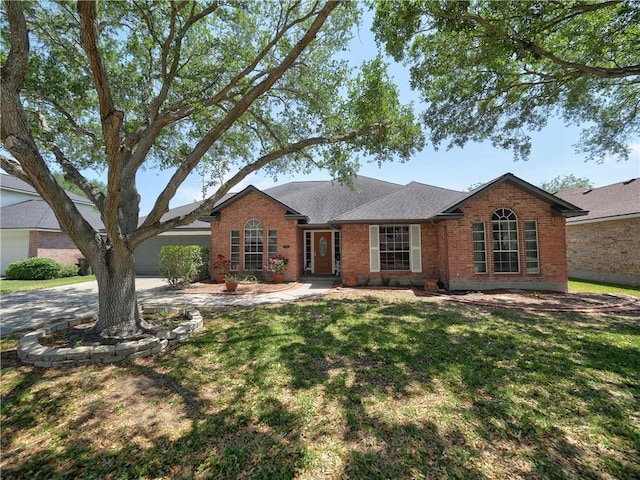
(394, 248)
(505, 241)
(531, 246)
(272, 243)
(479, 248)
(253, 245)
(234, 254)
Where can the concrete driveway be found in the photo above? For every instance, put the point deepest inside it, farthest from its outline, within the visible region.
(27, 310)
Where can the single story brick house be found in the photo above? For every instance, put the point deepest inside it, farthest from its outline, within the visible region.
(29, 228)
(605, 244)
(506, 233)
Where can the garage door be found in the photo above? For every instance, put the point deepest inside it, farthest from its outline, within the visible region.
(14, 245)
(147, 254)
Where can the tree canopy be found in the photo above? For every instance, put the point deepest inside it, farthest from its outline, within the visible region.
(495, 70)
(562, 182)
(236, 86)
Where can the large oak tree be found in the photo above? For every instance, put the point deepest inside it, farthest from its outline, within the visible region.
(498, 70)
(236, 86)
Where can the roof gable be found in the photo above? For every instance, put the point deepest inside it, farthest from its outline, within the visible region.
(289, 212)
(559, 206)
(9, 182)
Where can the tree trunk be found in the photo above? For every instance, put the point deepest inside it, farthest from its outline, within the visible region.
(118, 313)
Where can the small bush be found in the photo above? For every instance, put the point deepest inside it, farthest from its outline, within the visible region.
(182, 264)
(68, 271)
(34, 268)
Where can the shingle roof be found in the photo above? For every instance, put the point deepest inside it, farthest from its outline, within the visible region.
(415, 201)
(615, 200)
(324, 201)
(14, 183)
(37, 215)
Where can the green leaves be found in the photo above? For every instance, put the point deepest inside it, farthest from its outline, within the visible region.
(497, 70)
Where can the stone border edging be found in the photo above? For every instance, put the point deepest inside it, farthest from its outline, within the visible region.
(30, 350)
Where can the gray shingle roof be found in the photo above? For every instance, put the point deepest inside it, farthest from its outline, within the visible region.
(37, 215)
(415, 201)
(324, 201)
(14, 183)
(615, 200)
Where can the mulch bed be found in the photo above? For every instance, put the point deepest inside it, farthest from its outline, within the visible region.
(248, 288)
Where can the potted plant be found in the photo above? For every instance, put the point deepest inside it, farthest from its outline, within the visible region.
(220, 268)
(277, 265)
(230, 282)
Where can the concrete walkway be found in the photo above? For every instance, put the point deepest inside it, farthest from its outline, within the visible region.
(28, 310)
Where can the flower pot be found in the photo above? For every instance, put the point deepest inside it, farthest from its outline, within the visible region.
(231, 286)
(219, 277)
(351, 281)
(278, 277)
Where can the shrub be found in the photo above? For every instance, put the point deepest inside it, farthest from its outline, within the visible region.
(68, 271)
(34, 268)
(182, 264)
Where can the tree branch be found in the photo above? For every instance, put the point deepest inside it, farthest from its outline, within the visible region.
(524, 44)
(73, 175)
(162, 202)
(14, 70)
(151, 228)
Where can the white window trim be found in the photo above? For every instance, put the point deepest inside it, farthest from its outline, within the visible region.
(415, 248)
(484, 242)
(517, 251)
(526, 267)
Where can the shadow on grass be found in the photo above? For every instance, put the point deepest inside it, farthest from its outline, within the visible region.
(397, 390)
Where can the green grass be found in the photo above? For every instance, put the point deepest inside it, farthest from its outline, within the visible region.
(342, 388)
(577, 286)
(13, 286)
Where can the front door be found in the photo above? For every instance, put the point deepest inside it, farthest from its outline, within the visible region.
(322, 253)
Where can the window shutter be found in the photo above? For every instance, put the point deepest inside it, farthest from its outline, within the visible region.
(416, 250)
(374, 248)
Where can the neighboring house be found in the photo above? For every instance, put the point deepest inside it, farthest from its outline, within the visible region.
(28, 226)
(504, 234)
(605, 244)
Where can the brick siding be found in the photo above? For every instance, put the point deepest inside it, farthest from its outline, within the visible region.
(54, 245)
(551, 242)
(452, 239)
(255, 206)
(605, 251)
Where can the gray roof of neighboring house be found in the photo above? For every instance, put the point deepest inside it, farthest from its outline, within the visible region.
(10, 182)
(37, 215)
(608, 202)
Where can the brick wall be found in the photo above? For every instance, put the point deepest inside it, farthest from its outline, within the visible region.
(551, 242)
(447, 248)
(605, 251)
(54, 245)
(255, 206)
(355, 255)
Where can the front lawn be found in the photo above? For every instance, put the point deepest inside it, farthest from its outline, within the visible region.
(577, 286)
(343, 387)
(14, 286)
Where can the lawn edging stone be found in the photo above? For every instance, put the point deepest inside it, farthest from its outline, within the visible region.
(32, 352)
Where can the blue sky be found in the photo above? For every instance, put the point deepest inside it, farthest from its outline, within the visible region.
(552, 155)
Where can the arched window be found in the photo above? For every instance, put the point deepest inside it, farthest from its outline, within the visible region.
(505, 241)
(253, 245)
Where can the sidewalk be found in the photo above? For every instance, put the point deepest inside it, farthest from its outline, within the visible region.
(28, 310)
